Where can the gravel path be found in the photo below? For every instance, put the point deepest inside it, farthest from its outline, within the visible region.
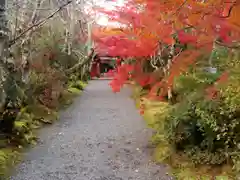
(100, 137)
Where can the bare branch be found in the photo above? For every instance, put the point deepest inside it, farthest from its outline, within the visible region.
(41, 22)
(228, 46)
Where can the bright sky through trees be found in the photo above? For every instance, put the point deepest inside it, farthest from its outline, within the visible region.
(102, 19)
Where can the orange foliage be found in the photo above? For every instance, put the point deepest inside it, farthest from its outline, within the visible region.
(157, 21)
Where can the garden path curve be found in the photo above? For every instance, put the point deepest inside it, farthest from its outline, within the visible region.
(101, 136)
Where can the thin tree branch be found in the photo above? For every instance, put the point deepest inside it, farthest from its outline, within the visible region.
(179, 8)
(41, 22)
(228, 46)
(230, 9)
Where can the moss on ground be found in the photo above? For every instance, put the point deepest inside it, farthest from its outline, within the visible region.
(8, 158)
(29, 119)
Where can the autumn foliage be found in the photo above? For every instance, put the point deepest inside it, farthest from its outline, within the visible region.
(150, 25)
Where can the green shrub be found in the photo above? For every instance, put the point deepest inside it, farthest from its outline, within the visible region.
(207, 130)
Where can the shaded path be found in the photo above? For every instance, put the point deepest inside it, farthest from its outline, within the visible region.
(100, 137)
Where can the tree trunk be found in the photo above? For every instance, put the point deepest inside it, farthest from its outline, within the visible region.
(3, 44)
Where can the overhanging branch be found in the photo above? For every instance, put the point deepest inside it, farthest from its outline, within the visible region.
(39, 23)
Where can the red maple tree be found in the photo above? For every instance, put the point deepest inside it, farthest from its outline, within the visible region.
(150, 25)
